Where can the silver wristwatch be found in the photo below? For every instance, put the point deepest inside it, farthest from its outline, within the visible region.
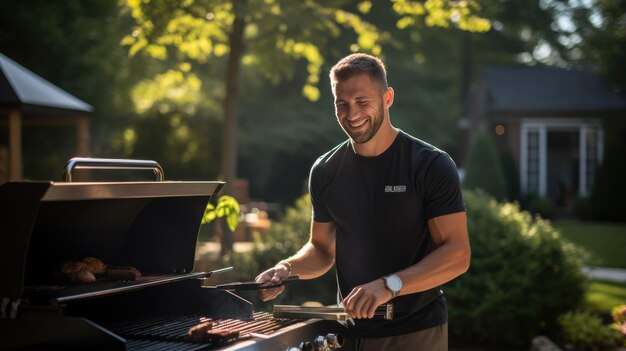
(394, 284)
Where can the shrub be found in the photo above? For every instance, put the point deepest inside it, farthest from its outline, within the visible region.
(285, 238)
(537, 205)
(522, 276)
(543, 206)
(586, 332)
(619, 322)
(511, 175)
(483, 169)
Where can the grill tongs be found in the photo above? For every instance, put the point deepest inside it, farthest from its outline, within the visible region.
(332, 313)
(252, 285)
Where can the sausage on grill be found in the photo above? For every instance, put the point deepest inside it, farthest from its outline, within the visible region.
(198, 332)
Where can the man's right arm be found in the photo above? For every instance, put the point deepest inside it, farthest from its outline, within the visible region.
(314, 259)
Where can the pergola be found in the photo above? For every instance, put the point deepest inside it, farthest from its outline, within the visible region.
(29, 100)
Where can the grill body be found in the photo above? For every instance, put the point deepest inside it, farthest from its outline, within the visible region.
(152, 226)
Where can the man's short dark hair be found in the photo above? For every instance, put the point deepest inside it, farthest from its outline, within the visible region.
(355, 64)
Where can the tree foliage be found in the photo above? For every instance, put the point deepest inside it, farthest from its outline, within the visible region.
(484, 170)
(75, 45)
(597, 38)
(272, 36)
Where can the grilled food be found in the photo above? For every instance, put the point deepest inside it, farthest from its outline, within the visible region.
(94, 266)
(71, 267)
(123, 273)
(81, 277)
(198, 332)
(89, 268)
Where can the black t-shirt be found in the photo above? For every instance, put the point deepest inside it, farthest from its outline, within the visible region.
(381, 206)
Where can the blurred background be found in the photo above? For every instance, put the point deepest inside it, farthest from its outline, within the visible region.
(528, 97)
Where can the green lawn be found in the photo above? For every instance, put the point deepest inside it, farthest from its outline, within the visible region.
(603, 296)
(605, 241)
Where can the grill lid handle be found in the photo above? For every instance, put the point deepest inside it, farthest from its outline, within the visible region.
(111, 163)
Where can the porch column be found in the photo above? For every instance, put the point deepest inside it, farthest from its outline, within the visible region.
(15, 144)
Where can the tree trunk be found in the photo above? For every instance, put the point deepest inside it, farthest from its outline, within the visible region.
(231, 122)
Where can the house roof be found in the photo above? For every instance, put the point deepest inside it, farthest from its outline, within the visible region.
(543, 89)
(21, 87)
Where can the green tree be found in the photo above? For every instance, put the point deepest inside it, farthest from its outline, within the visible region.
(270, 35)
(484, 170)
(597, 38)
(75, 45)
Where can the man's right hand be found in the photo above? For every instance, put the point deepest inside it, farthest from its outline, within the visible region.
(272, 276)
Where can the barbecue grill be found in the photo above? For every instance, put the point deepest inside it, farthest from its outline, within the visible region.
(150, 225)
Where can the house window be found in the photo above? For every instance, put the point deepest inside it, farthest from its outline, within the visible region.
(533, 162)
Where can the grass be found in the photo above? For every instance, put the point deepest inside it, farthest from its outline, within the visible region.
(605, 241)
(603, 296)
(607, 244)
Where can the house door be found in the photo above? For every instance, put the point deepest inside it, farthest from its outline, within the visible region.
(563, 156)
(559, 158)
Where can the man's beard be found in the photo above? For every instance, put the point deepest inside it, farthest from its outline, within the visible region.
(374, 125)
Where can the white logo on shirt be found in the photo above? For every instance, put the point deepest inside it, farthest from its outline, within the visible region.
(395, 188)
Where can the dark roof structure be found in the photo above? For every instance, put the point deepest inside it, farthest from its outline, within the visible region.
(543, 89)
(21, 87)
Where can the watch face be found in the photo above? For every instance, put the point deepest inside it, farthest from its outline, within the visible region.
(394, 283)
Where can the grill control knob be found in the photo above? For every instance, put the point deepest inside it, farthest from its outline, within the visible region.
(320, 343)
(306, 346)
(334, 341)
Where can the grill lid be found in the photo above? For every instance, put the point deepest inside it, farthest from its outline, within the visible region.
(149, 225)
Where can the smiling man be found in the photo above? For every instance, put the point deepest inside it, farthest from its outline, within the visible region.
(388, 212)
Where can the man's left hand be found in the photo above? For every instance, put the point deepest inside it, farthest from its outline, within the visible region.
(364, 299)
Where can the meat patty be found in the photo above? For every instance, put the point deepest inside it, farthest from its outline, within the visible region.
(70, 267)
(94, 265)
(81, 277)
(123, 273)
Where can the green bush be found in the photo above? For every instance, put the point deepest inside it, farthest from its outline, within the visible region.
(522, 276)
(483, 169)
(537, 205)
(511, 175)
(285, 238)
(619, 323)
(586, 332)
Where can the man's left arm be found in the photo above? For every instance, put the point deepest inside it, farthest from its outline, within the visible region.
(450, 259)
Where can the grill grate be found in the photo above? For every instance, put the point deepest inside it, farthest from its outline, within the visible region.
(150, 345)
(172, 331)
